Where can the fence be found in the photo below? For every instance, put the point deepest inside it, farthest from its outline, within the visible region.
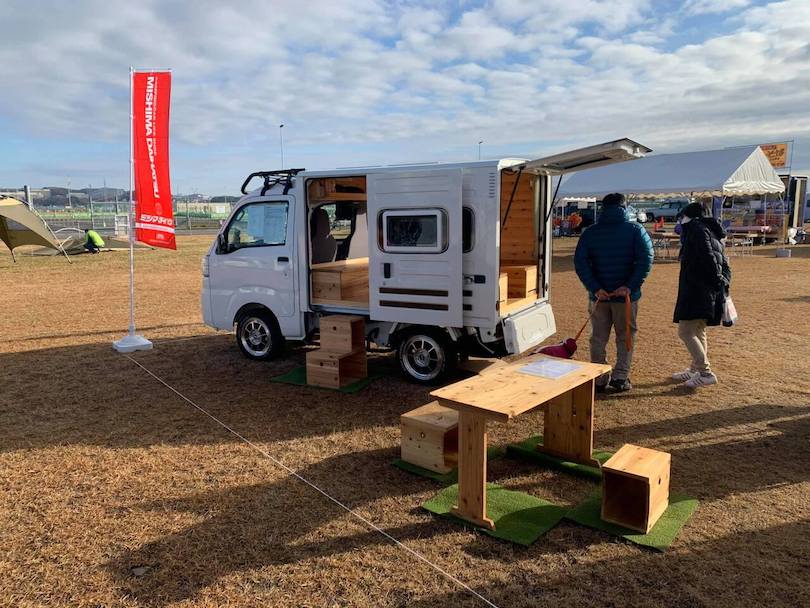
(112, 218)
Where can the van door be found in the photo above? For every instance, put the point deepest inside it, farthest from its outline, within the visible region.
(599, 155)
(415, 243)
(253, 263)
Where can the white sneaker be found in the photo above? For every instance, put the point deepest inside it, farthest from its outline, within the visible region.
(685, 375)
(701, 380)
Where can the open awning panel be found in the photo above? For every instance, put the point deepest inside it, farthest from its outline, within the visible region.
(608, 153)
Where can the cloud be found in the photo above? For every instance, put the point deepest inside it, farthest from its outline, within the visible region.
(706, 7)
(370, 81)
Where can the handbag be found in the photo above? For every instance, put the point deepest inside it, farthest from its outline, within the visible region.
(729, 312)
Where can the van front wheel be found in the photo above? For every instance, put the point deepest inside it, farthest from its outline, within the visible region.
(258, 336)
(426, 356)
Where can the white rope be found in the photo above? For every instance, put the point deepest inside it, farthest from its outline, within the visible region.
(352, 512)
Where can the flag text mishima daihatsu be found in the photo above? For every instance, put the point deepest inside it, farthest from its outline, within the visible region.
(151, 220)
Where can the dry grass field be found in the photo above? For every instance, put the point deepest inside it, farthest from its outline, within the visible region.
(116, 492)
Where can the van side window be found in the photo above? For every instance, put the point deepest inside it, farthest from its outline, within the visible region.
(414, 231)
(467, 229)
(257, 225)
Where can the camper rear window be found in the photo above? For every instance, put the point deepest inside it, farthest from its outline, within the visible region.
(413, 231)
(258, 225)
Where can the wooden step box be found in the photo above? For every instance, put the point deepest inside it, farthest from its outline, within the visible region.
(635, 487)
(343, 334)
(430, 437)
(522, 280)
(335, 370)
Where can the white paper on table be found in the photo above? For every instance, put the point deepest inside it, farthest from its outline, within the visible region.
(550, 368)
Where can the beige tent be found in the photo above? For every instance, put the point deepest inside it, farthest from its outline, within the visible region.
(20, 225)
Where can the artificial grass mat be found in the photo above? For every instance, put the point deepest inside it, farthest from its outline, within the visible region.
(298, 377)
(518, 517)
(663, 533)
(527, 450)
(493, 452)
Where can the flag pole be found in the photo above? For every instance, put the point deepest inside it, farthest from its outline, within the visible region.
(131, 342)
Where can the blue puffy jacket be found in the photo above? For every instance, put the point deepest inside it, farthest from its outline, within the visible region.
(614, 252)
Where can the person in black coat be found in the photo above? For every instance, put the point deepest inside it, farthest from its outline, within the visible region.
(702, 289)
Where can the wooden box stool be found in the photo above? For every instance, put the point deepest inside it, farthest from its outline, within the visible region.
(635, 487)
(335, 370)
(343, 333)
(522, 280)
(430, 437)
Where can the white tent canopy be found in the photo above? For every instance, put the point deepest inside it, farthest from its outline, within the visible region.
(729, 172)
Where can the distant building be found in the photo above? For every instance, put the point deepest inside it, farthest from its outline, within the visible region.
(19, 193)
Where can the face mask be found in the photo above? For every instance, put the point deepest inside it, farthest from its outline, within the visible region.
(685, 220)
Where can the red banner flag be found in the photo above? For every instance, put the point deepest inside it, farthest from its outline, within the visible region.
(154, 220)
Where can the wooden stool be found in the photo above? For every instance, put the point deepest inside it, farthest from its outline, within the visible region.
(341, 359)
(335, 370)
(430, 437)
(635, 487)
(342, 333)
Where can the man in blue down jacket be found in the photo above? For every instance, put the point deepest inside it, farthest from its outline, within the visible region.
(612, 259)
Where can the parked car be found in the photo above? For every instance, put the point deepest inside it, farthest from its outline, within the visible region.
(636, 215)
(668, 210)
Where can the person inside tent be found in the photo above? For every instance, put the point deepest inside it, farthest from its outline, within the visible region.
(93, 241)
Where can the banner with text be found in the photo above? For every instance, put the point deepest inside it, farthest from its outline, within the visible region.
(154, 220)
(777, 154)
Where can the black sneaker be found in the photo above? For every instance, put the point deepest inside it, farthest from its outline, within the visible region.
(621, 385)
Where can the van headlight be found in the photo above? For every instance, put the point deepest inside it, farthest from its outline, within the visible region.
(205, 265)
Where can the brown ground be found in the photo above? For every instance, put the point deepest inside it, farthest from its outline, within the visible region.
(103, 470)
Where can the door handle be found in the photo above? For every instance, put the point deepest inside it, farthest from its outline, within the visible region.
(387, 270)
(283, 258)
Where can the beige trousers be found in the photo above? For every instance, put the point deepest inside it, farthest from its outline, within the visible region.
(693, 334)
(612, 315)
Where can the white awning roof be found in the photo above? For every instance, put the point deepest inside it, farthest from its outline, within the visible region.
(729, 172)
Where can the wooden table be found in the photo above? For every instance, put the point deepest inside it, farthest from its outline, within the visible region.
(504, 392)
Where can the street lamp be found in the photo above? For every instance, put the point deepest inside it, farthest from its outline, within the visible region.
(479, 149)
(281, 143)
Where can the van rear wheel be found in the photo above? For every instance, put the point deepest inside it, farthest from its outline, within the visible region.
(427, 356)
(258, 335)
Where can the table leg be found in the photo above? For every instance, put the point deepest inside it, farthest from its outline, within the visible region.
(568, 425)
(472, 470)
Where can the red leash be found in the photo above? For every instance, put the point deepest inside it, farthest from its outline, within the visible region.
(628, 309)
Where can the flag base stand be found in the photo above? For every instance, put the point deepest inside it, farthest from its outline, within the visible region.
(131, 342)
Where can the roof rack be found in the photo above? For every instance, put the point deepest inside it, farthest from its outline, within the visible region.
(271, 178)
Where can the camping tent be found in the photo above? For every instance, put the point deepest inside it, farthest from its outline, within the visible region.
(20, 225)
(729, 172)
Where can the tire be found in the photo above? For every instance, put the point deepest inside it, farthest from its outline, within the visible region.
(427, 356)
(258, 335)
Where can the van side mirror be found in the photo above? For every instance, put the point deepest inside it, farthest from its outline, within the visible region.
(222, 245)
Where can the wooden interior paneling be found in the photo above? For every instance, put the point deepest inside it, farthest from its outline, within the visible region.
(519, 235)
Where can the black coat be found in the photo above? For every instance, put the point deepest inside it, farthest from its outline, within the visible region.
(705, 274)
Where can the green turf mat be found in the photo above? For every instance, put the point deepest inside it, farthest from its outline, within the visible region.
(527, 450)
(298, 377)
(493, 452)
(519, 518)
(659, 538)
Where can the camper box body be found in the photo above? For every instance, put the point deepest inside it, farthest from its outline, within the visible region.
(442, 260)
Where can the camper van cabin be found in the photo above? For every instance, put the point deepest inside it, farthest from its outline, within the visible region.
(441, 260)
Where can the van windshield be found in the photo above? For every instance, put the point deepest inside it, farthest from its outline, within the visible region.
(258, 225)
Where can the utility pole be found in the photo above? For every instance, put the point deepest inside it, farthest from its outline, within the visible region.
(90, 199)
(479, 149)
(281, 143)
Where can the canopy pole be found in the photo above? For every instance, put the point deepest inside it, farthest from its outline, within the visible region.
(131, 342)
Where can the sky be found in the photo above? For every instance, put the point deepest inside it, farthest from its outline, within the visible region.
(370, 82)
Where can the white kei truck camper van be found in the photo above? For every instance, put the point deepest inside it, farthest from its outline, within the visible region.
(442, 260)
